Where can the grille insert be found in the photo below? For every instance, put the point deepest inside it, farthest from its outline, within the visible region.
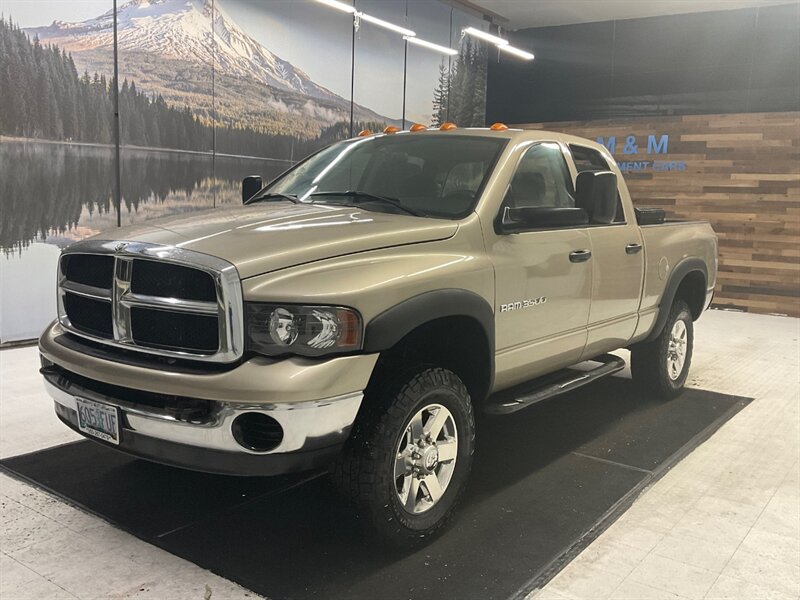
(164, 279)
(96, 270)
(170, 329)
(89, 315)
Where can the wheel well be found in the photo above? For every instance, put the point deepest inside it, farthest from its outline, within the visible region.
(457, 343)
(692, 290)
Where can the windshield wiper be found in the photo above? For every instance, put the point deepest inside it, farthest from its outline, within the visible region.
(367, 197)
(271, 196)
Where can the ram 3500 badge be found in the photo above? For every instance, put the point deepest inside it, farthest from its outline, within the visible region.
(355, 312)
(522, 304)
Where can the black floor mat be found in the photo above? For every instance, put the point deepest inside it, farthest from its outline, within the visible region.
(546, 481)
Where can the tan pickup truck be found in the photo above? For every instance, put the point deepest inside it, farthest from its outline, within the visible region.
(355, 312)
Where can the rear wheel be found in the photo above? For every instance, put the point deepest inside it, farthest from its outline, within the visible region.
(408, 459)
(662, 365)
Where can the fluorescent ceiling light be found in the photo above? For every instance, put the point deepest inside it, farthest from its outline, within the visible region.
(516, 52)
(431, 45)
(338, 5)
(385, 24)
(369, 18)
(479, 33)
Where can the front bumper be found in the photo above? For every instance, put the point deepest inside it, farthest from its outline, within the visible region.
(314, 429)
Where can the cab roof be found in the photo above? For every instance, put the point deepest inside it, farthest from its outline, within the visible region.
(517, 135)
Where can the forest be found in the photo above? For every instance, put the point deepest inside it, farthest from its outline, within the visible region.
(44, 97)
(460, 93)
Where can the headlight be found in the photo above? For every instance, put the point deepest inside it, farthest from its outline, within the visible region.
(275, 329)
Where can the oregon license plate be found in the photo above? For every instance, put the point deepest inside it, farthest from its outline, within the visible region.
(98, 420)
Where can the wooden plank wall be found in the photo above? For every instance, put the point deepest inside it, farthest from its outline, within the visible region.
(742, 174)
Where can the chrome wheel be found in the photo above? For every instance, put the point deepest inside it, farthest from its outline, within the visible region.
(676, 350)
(425, 459)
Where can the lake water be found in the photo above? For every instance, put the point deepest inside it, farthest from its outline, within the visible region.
(54, 194)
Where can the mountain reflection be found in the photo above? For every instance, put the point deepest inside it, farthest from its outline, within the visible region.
(62, 192)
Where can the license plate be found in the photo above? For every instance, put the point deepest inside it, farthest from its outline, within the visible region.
(98, 420)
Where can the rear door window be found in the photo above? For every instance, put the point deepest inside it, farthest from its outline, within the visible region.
(589, 159)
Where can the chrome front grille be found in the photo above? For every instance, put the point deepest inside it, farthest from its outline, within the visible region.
(150, 298)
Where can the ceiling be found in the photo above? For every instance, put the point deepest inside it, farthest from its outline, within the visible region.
(540, 13)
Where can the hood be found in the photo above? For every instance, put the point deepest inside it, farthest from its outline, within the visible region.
(267, 237)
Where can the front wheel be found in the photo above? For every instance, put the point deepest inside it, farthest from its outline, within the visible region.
(662, 365)
(408, 459)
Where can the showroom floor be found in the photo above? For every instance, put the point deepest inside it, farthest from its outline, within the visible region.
(724, 523)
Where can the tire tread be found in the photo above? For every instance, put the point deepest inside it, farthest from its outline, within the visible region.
(357, 472)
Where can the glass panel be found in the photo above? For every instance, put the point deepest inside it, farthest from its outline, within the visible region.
(542, 179)
(467, 82)
(379, 65)
(55, 159)
(276, 96)
(430, 175)
(55, 155)
(165, 103)
(587, 159)
(428, 69)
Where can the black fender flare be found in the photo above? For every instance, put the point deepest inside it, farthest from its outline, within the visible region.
(681, 270)
(392, 325)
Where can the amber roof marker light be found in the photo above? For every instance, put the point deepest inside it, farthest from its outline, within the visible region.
(448, 126)
(364, 133)
(418, 127)
(499, 127)
(391, 129)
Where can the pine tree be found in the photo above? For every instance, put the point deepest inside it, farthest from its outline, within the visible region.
(440, 96)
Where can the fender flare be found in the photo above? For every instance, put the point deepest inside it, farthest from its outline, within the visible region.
(389, 327)
(681, 270)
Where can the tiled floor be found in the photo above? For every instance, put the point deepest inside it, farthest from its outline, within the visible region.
(50, 550)
(724, 523)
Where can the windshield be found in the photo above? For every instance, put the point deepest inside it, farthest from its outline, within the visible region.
(426, 175)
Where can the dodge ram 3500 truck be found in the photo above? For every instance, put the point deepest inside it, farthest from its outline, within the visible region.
(357, 311)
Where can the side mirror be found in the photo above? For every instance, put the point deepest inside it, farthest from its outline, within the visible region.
(540, 217)
(250, 187)
(596, 193)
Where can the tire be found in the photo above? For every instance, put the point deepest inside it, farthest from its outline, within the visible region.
(662, 365)
(384, 441)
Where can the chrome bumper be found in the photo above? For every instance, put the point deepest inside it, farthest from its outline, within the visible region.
(308, 427)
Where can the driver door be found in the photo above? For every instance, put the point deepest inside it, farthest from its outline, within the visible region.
(543, 276)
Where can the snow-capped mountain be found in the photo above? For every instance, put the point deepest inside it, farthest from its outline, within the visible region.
(182, 30)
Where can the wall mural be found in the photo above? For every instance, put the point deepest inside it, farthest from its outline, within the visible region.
(210, 91)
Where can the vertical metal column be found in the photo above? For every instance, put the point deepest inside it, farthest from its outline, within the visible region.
(213, 106)
(450, 67)
(405, 69)
(117, 162)
(352, 74)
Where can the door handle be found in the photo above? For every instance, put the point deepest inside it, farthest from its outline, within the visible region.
(633, 248)
(577, 256)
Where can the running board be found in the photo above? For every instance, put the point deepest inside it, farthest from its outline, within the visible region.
(523, 395)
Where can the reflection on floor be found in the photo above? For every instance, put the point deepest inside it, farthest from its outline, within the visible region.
(724, 519)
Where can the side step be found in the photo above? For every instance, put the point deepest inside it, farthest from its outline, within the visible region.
(531, 392)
